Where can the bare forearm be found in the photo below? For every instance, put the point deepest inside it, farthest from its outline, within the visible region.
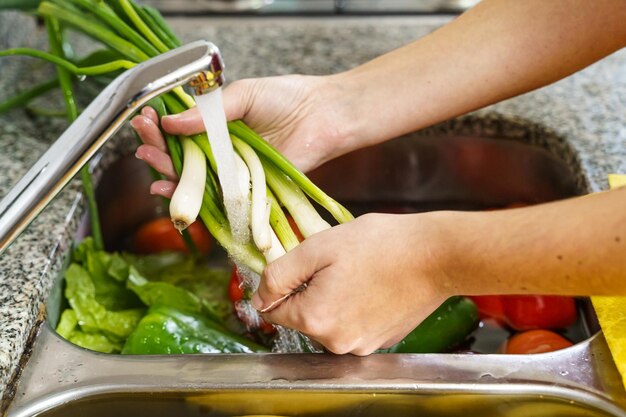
(570, 247)
(499, 49)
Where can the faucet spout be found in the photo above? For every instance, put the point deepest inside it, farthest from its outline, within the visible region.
(190, 63)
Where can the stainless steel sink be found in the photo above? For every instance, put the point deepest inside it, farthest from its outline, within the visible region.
(415, 173)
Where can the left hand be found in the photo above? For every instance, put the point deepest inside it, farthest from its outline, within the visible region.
(370, 282)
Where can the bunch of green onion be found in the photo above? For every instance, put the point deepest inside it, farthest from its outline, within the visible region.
(266, 181)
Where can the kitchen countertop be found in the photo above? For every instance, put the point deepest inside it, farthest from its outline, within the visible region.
(580, 119)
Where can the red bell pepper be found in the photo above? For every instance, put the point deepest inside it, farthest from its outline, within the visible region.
(526, 312)
(489, 306)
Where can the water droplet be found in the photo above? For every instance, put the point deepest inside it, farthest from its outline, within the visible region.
(564, 373)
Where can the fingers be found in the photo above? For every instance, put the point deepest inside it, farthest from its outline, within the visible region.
(157, 159)
(151, 114)
(148, 130)
(163, 188)
(287, 273)
(154, 151)
(186, 123)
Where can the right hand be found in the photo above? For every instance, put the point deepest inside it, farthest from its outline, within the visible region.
(304, 117)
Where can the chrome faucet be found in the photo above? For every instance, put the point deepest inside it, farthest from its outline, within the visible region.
(198, 64)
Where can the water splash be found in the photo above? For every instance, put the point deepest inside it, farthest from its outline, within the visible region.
(211, 108)
(286, 340)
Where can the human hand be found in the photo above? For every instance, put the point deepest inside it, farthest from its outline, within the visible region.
(369, 282)
(304, 117)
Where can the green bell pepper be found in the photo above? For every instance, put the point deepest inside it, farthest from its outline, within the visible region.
(447, 327)
(167, 330)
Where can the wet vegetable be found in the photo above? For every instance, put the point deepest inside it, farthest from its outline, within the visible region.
(446, 328)
(489, 306)
(535, 341)
(167, 330)
(527, 312)
(109, 294)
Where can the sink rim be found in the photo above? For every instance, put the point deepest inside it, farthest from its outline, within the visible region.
(59, 372)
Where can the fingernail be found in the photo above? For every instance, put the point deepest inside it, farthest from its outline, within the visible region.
(171, 117)
(138, 156)
(256, 301)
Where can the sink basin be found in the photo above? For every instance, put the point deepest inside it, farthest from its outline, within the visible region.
(420, 172)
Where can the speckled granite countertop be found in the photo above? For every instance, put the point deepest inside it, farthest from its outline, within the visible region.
(582, 119)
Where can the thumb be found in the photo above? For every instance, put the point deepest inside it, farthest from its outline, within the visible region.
(286, 274)
(236, 99)
(186, 123)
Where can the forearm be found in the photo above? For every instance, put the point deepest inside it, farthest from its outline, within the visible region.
(570, 247)
(499, 49)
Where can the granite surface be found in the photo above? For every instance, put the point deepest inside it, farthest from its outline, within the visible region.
(580, 119)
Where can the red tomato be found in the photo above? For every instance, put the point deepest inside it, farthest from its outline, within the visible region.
(160, 235)
(526, 312)
(535, 341)
(236, 294)
(489, 306)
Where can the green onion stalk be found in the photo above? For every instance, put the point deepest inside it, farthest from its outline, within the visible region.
(56, 41)
(270, 183)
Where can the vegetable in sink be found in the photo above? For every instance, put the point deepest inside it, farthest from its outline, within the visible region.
(182, 308)
(168, 330)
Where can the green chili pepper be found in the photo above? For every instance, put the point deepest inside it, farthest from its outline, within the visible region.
(167, 330)
(446, 328)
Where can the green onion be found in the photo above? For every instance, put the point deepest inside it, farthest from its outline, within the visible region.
(280, 224)
(43, 112)
(141, 26)
(260, 210)
(25, 97)
(228, 171)
(306, 217)
(156, 22)
(187, 198)
(98, 32)
(19, 4)
(234, 191)
(239, 129)
(55, 37)
(69, 66)
(104, 12)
